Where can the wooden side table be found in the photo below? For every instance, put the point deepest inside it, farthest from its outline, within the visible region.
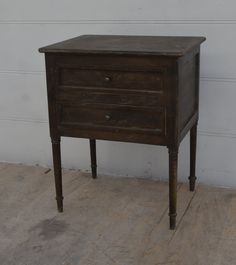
(141, 89)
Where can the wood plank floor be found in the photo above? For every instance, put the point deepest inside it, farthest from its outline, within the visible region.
(111, 221)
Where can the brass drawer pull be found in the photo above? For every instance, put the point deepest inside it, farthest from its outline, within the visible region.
(108, 117)
(107, 79)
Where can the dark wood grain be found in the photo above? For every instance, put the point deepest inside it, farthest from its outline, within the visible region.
(193, 146)
(153, 45)
(173, 169)
(93, 156)
(138, 80)
(141, 89)
(114, 118)
(56, 152)
(80, 96)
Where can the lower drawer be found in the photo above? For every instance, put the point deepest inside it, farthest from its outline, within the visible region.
(116, 119)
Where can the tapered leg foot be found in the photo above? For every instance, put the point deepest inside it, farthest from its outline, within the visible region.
(93, 157)
(193, 146)
(56, 151)
(172, 221)
(173, 164)
(94, 171)
(60, 204)
(192, 181)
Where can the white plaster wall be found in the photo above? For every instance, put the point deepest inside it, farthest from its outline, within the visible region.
(27, 25)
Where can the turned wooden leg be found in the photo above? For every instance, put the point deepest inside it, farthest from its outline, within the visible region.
(193, 144)
(173, 165)
(56, 151)
(93, 157)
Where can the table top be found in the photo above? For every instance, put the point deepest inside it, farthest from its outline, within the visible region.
(126, 44)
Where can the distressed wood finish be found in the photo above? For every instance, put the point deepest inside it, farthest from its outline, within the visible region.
(193, 145)
(80, 77)
(173, 169)
(93, 157)
(56, 151)
(125, 88)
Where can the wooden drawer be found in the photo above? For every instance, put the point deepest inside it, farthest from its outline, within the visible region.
(76, 96)
(132, 80)
(115, 119)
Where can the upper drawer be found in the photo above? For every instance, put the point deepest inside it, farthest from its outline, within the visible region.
(133, 80)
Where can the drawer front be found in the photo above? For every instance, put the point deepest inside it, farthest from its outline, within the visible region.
(85, 97)
(115, 119)
(133, 80)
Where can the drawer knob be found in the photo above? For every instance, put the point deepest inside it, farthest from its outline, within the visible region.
(107, 79)
(108, 117)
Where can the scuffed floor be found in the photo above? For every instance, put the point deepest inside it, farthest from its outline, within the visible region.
(111, 221)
